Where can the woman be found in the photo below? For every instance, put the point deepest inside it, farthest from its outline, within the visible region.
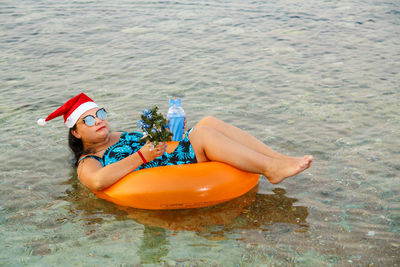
(104, 157)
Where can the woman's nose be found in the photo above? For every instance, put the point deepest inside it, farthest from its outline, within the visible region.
(97, 120)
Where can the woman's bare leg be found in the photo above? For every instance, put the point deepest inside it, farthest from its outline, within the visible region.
(240, 136)
(211, 145)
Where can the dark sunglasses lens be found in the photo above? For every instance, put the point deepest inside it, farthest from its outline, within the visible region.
(101, 114)
(89, 120)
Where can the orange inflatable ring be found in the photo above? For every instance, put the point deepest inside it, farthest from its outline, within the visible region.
(180, 186)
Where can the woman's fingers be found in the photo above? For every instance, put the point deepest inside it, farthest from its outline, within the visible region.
(155, 151)
(161, 148)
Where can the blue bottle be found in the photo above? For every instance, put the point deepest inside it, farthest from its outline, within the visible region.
(176, 117)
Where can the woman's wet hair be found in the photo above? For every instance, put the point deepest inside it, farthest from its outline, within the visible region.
(75, 145)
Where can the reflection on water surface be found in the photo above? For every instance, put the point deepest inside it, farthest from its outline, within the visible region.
(250, 211)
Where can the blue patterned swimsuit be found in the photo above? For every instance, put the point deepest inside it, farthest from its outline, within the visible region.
(129, 144)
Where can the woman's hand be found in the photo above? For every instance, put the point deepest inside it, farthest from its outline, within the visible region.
(151, 152)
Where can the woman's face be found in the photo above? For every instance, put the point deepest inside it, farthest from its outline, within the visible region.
(91, 134)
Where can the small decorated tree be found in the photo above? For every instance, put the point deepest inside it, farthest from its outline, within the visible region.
(154, 126)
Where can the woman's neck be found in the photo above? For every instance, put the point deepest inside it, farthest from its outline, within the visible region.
(96, 147)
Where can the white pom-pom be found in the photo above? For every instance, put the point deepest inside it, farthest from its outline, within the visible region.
(41, 122)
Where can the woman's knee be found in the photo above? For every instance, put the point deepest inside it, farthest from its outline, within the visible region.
(208, 121)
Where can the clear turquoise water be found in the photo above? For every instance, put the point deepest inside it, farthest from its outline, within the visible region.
(319, 77)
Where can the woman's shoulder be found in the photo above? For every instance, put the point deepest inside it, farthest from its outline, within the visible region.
(90, 156)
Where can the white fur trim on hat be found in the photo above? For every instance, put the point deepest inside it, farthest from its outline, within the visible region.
(73, 118)
(41, 122)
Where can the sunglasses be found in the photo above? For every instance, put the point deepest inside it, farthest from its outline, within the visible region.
(90, 120)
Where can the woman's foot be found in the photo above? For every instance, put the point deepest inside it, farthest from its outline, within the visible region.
(285, 168)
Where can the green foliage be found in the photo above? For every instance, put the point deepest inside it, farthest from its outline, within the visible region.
(154, 126)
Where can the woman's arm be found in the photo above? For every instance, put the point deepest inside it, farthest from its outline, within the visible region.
(96, 177)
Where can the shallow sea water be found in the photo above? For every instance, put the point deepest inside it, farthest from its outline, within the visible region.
(319, 77)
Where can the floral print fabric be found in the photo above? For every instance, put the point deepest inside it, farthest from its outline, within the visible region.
(129, 144)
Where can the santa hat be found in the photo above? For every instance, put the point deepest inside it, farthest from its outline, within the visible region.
(71, 110)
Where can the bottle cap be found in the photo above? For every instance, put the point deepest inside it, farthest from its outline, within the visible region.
(176, 101)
